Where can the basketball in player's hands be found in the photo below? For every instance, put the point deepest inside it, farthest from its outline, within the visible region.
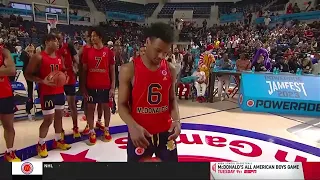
(150, 159)
(58, 78)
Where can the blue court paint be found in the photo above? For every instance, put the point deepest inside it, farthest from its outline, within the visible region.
(30, 151)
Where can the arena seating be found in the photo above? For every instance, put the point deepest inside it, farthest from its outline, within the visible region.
(149, 9)
(200, 10)
(242, 6)
(79, 4)
(35, 38)
(125, 7)
(280, 5)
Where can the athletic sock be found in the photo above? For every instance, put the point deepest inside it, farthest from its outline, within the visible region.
(106, 128)
(57, 136)
(9, 150)
(41, 141)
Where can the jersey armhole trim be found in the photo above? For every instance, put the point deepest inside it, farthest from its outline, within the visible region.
(133, 78)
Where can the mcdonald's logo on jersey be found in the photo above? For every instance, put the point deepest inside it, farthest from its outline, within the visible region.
(48, 104)
(90, 99)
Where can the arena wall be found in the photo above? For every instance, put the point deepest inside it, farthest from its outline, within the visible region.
(192, 1)
(54, 2)
(137, 1)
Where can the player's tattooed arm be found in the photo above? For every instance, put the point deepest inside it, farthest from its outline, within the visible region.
(8, 68)
(33, 67)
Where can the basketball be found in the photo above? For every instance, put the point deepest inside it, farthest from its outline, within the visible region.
(150, 159)
(58, 77)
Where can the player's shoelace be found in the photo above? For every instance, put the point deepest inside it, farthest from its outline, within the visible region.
(43, 146)
(12, 155)
(76, 130)
(61, 141)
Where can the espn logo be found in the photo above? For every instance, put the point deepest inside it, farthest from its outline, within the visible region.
(27, 168)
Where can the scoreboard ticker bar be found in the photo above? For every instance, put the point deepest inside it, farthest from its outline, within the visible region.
(92, 171)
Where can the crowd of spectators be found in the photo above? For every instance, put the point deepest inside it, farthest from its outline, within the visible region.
(290, 46)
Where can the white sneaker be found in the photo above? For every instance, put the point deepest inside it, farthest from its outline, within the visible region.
(30, 117)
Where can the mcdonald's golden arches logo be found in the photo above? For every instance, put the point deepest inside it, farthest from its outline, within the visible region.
(48, 104)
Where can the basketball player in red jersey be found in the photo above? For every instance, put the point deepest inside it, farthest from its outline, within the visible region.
(71, 61)
(147, 99)
(83, 54)
(52, 97)
(7, 106)
(99, 74)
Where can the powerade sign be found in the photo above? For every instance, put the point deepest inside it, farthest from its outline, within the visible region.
(284, 94)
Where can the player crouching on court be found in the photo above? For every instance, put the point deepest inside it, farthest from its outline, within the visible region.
(40, 70)
(147, 100)
(98, 73)
(7, 106)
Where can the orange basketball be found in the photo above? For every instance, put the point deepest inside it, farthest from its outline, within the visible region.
(58, 77)
(150, 159)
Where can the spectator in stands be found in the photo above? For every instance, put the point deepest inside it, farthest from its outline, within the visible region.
(308, 6)
(110, 44)
(282, 64)
(142, 50)
(250, 18)
(243, 63)
(225, 64)
(200, 84)
(25, 57)
(259, 65)
(18, 47)
(307, 65)
(177, 61)
(187, 67)
(314, 44)
(296, 8)
(136, 55)
(204, 23)
(267, 21)
(290, 9)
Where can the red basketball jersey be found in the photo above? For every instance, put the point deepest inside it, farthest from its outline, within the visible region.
(48, 65)
(5, 85)
(98, 62)
(84, 54)
(64, 52)
(150, 97)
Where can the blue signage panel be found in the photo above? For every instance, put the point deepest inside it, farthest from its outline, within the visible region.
(311, 15)
(16, 59)
(229, 18)
(283, 94)
(125, 16)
